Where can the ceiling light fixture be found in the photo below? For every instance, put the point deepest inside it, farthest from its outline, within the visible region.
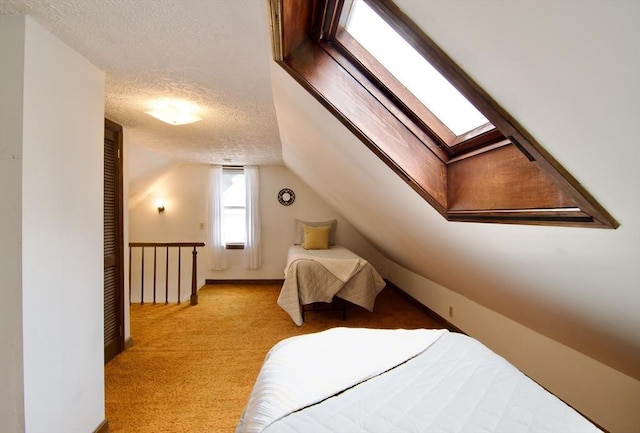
(174, 112)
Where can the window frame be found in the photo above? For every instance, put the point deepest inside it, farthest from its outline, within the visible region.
(462, 186)
(452, 144)
(233, 169)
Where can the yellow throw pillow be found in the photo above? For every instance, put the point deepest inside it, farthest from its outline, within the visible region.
(300, 225)
(316, 238)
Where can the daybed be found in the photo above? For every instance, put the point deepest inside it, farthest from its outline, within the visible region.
(375, 380)
(321, 272)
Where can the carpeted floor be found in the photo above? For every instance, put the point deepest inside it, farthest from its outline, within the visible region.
(191, 369)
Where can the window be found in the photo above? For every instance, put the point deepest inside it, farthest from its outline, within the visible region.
(454, 124)
(406, 64)
(234, 205)
(494, 172)
(234, 215)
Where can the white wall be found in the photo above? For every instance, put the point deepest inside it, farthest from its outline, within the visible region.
(576, 286)
(606, 396)
(11, 103)
(184, 188)
(61, 217)
(569, 73)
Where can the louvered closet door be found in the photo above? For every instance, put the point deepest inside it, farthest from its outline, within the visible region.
(113, 250)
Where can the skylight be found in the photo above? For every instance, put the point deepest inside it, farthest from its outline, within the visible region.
(412, 70)
(472, 171)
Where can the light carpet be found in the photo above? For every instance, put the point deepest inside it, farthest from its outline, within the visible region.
(191, 369)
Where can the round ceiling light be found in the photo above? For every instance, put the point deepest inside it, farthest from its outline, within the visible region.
(174, 111)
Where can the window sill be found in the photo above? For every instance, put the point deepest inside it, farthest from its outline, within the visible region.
(234, 246)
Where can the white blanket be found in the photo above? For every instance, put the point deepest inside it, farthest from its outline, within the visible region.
(455, 385)
(304, 370)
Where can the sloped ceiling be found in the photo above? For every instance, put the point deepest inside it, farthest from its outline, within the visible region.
(569, 72)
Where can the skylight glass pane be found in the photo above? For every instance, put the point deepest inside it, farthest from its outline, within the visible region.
(412, 70)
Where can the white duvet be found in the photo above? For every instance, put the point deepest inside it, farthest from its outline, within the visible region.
(304, 370)
(455, 385)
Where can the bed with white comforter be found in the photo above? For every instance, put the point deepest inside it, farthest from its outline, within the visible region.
(383, 381)
(319, 275)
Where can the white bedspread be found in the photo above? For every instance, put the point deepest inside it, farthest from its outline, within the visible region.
(301, 371)
(346, 276)
(456, 385)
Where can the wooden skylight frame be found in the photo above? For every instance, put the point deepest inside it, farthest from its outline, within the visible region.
(495, 175)
(471, 138)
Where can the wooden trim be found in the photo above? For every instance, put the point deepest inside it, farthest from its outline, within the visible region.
(128, 343)
(436, 56)
(493, 111)
(412, 117)
(234, 246)
(502, 179)
(248, 282)
(299, 18)
(328, 19)
(530, 218)
(366, 107)
(479, 137)
(355, 54)
(566, 181)
(359, 62)
(478, 151)
(408, 102)
(356, 108)
(103, 427)
(167, 244)
(275, 7)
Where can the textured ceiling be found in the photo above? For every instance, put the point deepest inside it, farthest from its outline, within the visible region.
(214, 53)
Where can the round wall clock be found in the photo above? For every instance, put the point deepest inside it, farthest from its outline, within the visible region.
(286, 197)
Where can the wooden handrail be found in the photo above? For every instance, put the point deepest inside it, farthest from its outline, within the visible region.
(167, 245)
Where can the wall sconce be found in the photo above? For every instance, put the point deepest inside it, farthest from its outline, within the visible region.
(160, 205)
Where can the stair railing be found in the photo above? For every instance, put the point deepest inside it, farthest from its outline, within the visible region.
(166, 246)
